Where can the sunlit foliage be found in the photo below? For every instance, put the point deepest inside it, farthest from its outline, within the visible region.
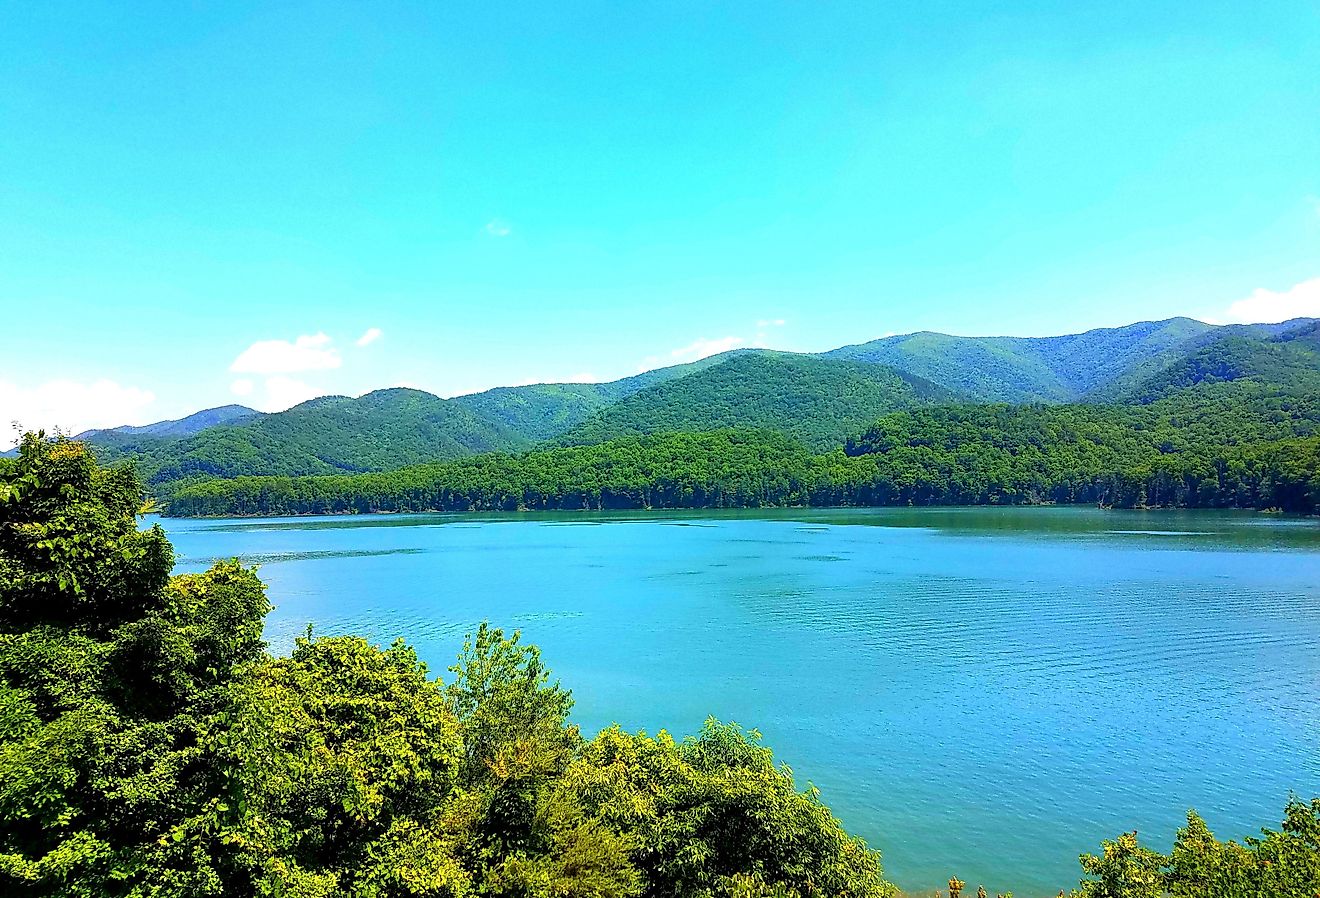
(149, 746)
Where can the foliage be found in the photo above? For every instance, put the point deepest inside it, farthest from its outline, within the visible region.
(375, 432)
(817, 401)
(178, 428)
(1291, 362)
(1101, 364)
(1219, 445)
(150, 747)
(111, 675)
(720, 469)
(332, 434)
(1125, 869)
(713, 815)
(1278, 862)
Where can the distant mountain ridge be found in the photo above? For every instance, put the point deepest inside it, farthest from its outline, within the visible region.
(179, 427)
(820, 399)
(129, 435)
(1049, 369)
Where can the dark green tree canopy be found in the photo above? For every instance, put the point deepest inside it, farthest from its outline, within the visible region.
(149, 746)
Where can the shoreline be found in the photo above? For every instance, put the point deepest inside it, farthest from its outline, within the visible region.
(1272, 512)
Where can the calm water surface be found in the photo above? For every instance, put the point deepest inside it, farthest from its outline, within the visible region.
(979, 692)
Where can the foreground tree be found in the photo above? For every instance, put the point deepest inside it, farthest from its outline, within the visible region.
(150, 747)
(1283, 862)
(111, 677)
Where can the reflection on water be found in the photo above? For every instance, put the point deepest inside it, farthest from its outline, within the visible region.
(279, 557)
(1243, 528)
(986, 692)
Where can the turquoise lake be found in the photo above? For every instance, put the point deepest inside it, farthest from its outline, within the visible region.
(979, 692)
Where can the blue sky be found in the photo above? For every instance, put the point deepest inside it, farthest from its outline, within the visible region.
(205, 203)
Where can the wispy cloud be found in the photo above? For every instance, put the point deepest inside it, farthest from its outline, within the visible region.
(1298, 301)
(74, 406)
(371, 335)
(498, 227)
(704, 347)
(275, 393)
(286, 392)
(311, 352)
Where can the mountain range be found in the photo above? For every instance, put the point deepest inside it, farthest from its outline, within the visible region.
(820, 399)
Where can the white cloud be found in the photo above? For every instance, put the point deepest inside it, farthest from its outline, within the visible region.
(73, 406)
(241, 387)
(371, 335)
(697, 349)
(703, 347)
(286, 392)
(311, 352)
(1268, 306)
(498, 227)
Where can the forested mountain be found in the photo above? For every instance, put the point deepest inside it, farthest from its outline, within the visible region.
(542, 411)
(538, 411)
(1094, 364)
(945, 455)
(1221, 445)
(135, 439)
(379, 431)
(819, 401)
(1287, 363)
(332, 434)
(177, 428)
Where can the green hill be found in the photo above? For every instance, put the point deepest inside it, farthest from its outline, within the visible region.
(1225, 448)
(820, 400)
(376, 432)
(543, 411)
(333, 434)
(1287, 363)
(816, 400)
(1097, 364)
(172, 429)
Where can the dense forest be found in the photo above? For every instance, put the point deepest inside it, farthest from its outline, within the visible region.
(151, 746)
(332, 434)
(1221, 445)
(1099, 364)
(378, 431)
(819, 402)
(1260, 378)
